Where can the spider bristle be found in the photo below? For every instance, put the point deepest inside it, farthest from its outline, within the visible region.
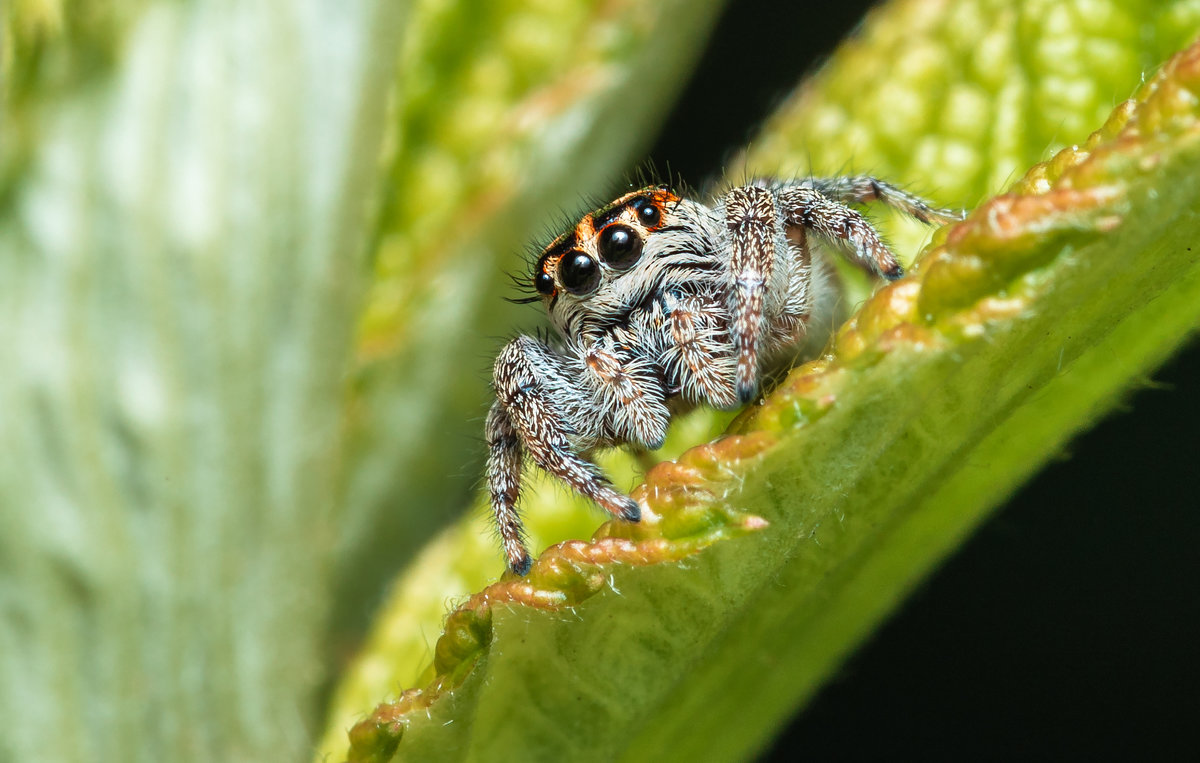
(521, 300)
(646, 174)
(530, 255)
(523, 284)
(560, 222)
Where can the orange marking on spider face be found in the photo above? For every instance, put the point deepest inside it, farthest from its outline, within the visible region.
(585, 234)
(625, 209)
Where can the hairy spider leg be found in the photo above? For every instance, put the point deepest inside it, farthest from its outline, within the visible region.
(752, 225)
(538, 395)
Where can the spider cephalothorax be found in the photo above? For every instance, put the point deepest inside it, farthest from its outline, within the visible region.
(661, 304)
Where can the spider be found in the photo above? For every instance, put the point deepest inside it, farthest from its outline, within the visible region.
(661, 304)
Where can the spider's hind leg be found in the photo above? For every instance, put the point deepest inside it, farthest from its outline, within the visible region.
(812, 211)
(864, 189)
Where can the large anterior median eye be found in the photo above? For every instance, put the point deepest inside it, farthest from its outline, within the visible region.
(620, 246)
(579, 273)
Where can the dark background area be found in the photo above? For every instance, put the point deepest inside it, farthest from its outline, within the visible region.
(1069, 624)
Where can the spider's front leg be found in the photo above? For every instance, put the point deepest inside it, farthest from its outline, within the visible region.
(544, 407)
(753, 228)
(627, 390)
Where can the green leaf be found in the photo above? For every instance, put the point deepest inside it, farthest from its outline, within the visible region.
(1017, 328)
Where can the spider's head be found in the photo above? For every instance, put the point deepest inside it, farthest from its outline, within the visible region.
(588, 271)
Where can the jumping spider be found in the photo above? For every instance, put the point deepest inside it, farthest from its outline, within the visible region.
(661, 304)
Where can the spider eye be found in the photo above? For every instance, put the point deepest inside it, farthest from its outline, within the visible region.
(544, 283)
(619, 246)
(649, 214)
(579, 273)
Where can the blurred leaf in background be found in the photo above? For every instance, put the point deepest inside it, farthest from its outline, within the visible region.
(186, 193)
